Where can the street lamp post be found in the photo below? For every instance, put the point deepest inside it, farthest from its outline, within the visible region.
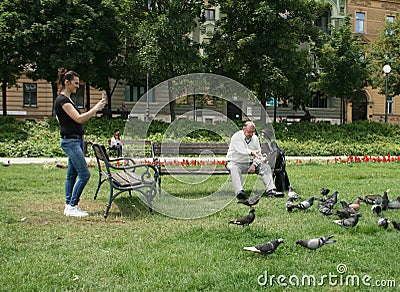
(387, 70)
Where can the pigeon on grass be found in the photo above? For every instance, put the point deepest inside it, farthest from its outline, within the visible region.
(350, 222)
(325, 210)
(289, 205)
(383, 222)
(332, 199)
(316, 243)
(371, 199)
(396, 225)
(376, 209)
(344, 213)
(304, 205)
(250, 201)
(394, 204)
(324, 191)
(385, 200)
(356, 205)
(344, 204)
(329, 201)
(245, 220)
(265, 249)
(292, 194)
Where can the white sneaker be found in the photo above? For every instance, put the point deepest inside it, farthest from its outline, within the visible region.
(79, 209)
(75, 211)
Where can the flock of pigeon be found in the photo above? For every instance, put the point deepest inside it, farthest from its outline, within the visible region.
(348, 215)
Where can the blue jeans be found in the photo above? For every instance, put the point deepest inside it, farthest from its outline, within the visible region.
(77, 168)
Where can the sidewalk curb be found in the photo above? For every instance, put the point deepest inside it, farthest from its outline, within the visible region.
(42, 160)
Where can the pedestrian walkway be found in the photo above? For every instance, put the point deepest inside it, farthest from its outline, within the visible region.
(29, 160)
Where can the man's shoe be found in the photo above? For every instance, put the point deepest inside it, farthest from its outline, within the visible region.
(270, 193)
(279, 194)
(75, 211)
(242, 195)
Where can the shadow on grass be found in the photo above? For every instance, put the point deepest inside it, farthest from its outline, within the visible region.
(127, 207)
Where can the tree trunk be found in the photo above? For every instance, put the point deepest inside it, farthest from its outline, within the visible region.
(4, 93)
(263, 101)
(172, 102)
(87, 87)
(54, 90)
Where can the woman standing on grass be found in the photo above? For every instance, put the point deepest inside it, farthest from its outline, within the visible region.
(71, 131)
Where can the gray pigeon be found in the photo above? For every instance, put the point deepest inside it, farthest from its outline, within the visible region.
(316, 243)
(292, 194)
(305, 204)
(325, 210)
(265, 248)
(250, 201)
(246, 220)
(394, 204)
(376, 209)
(290, 205)
(344, 204)
(385, 201)
(324, 191)
(396, 225)
(350, 222)
(332, 199)
(383, 222)
(344, 213)
(371, 199)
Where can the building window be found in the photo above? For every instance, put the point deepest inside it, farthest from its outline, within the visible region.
(134, 93)
(30, 94)
(78, 97)
(360, 22)
(389, 24)
(209, 14)
(319, 101)
(323, 22)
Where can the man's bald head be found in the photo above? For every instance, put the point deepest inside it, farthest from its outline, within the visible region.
(249, 128)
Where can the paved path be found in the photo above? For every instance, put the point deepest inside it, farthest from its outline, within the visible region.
(29, 160)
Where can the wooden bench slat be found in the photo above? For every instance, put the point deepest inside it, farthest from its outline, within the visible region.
(125, 179)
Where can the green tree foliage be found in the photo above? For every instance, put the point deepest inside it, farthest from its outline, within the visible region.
(12, 23)
(159, 42)
(343, 67)
(77, 35)
(386, 51)
(263, 44)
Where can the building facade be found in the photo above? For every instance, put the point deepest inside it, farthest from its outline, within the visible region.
(368, 17)
(34, 100)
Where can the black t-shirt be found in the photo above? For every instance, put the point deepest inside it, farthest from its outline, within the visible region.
(67, 125)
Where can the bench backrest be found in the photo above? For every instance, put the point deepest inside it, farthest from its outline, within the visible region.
(189, 148)
(137, 148)
(100, 152)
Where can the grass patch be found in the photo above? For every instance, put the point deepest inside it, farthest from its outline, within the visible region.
(42, 250)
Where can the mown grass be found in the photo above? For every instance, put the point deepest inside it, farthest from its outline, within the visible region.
(42, 250)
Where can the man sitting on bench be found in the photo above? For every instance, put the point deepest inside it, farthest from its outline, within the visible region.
(244, 156)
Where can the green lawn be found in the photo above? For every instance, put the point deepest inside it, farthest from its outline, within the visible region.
(42, 250)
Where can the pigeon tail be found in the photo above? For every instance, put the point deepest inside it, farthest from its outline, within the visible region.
(251, 248)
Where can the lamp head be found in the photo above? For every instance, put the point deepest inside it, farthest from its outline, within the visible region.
(387, 69)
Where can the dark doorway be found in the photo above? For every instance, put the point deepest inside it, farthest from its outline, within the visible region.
(234, 110)
(359, 109)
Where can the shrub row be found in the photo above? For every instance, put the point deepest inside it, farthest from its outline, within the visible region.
(41, 138)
